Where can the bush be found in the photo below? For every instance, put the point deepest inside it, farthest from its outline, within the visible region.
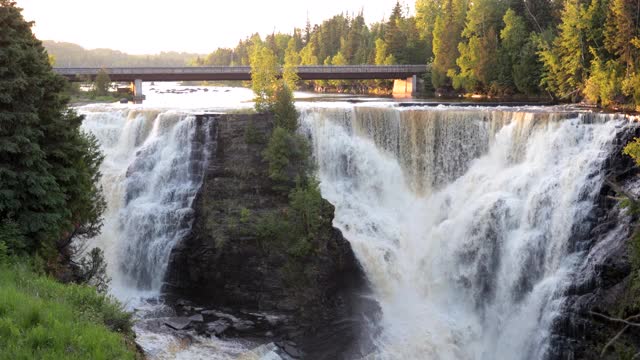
(288, 155)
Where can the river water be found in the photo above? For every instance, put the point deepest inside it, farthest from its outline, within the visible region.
(465, 220)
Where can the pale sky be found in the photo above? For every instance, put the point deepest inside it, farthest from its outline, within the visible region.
(151, 26)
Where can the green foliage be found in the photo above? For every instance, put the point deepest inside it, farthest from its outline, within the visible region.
(284, 110)
(604, 84)
(633, 150)
(245, 215)
(565, 58)
(291, 62)
(92, 270)
(4, 253)
(49, 168)
(288, 156)
(307, 208)
(43, 319)
(264, 75)
(297, 229)
(102, 84)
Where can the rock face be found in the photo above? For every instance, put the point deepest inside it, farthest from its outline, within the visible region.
(225, 264)
(603, 283)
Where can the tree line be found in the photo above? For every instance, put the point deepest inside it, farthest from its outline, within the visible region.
(66, 54)
(564, 49)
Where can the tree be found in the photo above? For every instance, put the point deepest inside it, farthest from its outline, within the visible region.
(566, 57)
(381, 51)
(264, 75)
(446, 36)
(620, 30)
(48, 166)
(478, 55)
(427, 11)
(102, 84)
(290, 68)
(284, 110)
(307, 55)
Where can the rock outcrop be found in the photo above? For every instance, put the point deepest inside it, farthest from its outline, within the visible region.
(224, 263)
(604, 281)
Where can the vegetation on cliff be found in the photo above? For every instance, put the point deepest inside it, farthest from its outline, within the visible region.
(288, 154)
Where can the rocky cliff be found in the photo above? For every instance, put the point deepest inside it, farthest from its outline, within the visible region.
(227, 263)
(605, 283)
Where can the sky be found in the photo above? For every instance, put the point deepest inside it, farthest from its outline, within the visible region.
(199, 26)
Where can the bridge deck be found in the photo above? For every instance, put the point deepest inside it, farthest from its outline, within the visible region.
(212, 73)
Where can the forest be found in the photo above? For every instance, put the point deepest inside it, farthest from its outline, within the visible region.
(567, 50)
(65, 54)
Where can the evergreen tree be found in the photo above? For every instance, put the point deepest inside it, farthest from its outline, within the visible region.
(427, 11)
(620, 30)
(446, 36)
(48, 167)
(565, 58)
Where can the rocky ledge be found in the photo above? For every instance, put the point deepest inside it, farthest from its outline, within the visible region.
(604, 282)
(225, 264)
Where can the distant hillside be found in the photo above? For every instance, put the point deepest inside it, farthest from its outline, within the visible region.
(73, 55)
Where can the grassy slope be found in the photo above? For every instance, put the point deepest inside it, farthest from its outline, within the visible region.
(43, 319)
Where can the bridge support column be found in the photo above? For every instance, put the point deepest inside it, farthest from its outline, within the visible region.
(138, 96)
(405, 88)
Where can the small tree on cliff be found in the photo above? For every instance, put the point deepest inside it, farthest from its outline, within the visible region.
(49, 169)
(264, 76)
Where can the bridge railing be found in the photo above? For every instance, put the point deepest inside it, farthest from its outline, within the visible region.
(245, 69)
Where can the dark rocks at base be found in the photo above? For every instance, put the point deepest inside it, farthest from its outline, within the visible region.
(178, 323)
(223, 263)
(602, 282)
(218, 327)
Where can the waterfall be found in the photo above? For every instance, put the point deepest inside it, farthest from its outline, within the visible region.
(467, 221)
(153, 167)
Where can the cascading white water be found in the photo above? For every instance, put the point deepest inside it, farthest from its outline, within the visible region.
(463, 219)
(153, 167)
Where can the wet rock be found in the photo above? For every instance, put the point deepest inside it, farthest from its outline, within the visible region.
(178, 323)
(196, 318)
(220, 265)
(243, 325)
(218, 327)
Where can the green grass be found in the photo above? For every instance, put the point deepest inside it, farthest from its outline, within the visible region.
(41, 318)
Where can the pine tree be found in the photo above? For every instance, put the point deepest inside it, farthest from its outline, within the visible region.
(565, 59)
(48, 167)
(446, 36)
(620, 30)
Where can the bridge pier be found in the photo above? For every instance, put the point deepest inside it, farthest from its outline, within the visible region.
(405, 88)
(136, 87)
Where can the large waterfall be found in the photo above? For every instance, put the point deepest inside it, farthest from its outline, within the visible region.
(154, 164)
(466, 221)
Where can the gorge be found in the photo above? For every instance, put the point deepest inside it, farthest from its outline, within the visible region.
(460, 233)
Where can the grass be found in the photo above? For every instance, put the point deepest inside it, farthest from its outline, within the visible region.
(41, 318)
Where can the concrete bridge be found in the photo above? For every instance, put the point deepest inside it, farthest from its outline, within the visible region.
(405, 75)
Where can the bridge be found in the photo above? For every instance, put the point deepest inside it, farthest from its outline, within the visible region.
(405, 75)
